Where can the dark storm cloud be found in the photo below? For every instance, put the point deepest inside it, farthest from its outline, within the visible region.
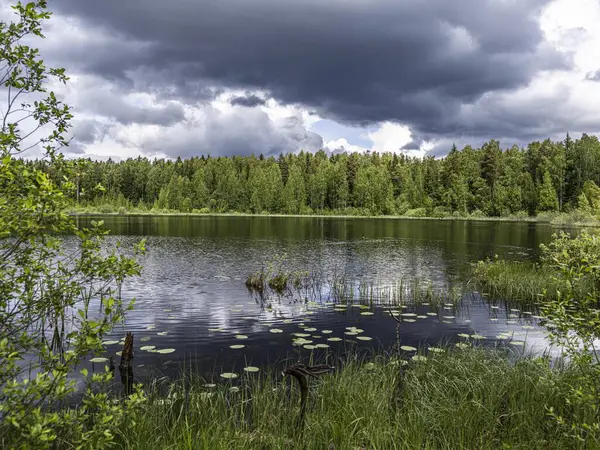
(249, 101)
(358, 61)
(246, 131)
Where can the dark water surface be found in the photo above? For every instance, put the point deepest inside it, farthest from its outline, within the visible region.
(192, 288)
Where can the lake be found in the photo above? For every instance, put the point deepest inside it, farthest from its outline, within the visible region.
(192, 297)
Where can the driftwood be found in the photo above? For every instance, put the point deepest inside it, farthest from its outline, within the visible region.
(126, 364)
(300, 372)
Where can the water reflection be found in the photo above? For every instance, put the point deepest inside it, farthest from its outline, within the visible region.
(191, 296)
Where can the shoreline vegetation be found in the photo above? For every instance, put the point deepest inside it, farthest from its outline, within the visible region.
(557, 219)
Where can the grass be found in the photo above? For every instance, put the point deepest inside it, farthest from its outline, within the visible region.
(514, 281)
(461, 399)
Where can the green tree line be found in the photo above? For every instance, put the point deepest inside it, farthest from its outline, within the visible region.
(488, 181)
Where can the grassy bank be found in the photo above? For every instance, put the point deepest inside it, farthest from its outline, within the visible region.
(558, 219)
(463, 399)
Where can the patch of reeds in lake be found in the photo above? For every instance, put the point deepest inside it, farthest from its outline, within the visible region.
(334, 288)
(525, 282)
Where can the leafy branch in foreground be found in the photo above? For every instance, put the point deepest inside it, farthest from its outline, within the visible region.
(51, 273)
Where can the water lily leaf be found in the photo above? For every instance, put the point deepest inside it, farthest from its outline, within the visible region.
(276, 330)
(210, 385)
(421, 317)
(409, 320)
(165, 351)
(477, 336)
(464, 335)
(150, 327)
(110, 342)
(364, 338)
(462, 345)
(215, 329)
(147, 348)
(408, 315)
(145, 339)
(310, 347)
(326, 331)
(251, 369)
(322, 346)
(366, 313)
(162, 333)
(98, 360)
(301, 334)
(334, 339)
(408, 348)
(432, 314)
(119, 353)
(234, 389)
(419, 358)
(350, 333)
(241, 336)
(237, 346)
(449, 317)
(229, 375)
(310, 329)
(436, 350)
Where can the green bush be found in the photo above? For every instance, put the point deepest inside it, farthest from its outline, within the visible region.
(416, 212)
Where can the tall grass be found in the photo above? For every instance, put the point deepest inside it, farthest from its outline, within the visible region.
(514, 281)
(462, 399)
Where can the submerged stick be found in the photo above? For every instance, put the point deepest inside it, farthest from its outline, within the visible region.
(300, 372)
(126, 364)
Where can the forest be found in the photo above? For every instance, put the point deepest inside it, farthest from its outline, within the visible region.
(544, 177)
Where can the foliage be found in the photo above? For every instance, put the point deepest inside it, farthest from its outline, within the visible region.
(58, 294)
(544, 178)
(467, 399)
(574, 322)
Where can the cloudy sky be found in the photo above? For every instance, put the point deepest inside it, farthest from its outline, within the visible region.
(221, 77)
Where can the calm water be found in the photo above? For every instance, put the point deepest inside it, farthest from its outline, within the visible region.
(192, 288)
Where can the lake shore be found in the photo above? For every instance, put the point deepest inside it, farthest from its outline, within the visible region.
(556, 220)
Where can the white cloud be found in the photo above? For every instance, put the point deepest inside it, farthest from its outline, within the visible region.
(342, 145)
(390, 137)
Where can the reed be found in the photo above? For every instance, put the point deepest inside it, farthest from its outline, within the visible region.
(472, 398)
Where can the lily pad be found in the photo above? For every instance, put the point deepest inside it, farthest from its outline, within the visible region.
(237, 346)
(145, 339)
(409, 320)
(165, 351)
(210, 385)
(327, 331)
(351, 333)
(408, 315)
(464, 335)
(110, 342)
(364, 338)
(462, 345)
(436, 350)
(147, 348)
(251, 369)
(310, 329)
(229, 375)
(98, 360)
(408, 348)
(366, 313)
(310, 347)
(234, 389)
(322, 346)
(162, 333)
(419, 358)
(276, 330)
(432, 314)
(334, 339)
(477, 336)
(241, 336)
